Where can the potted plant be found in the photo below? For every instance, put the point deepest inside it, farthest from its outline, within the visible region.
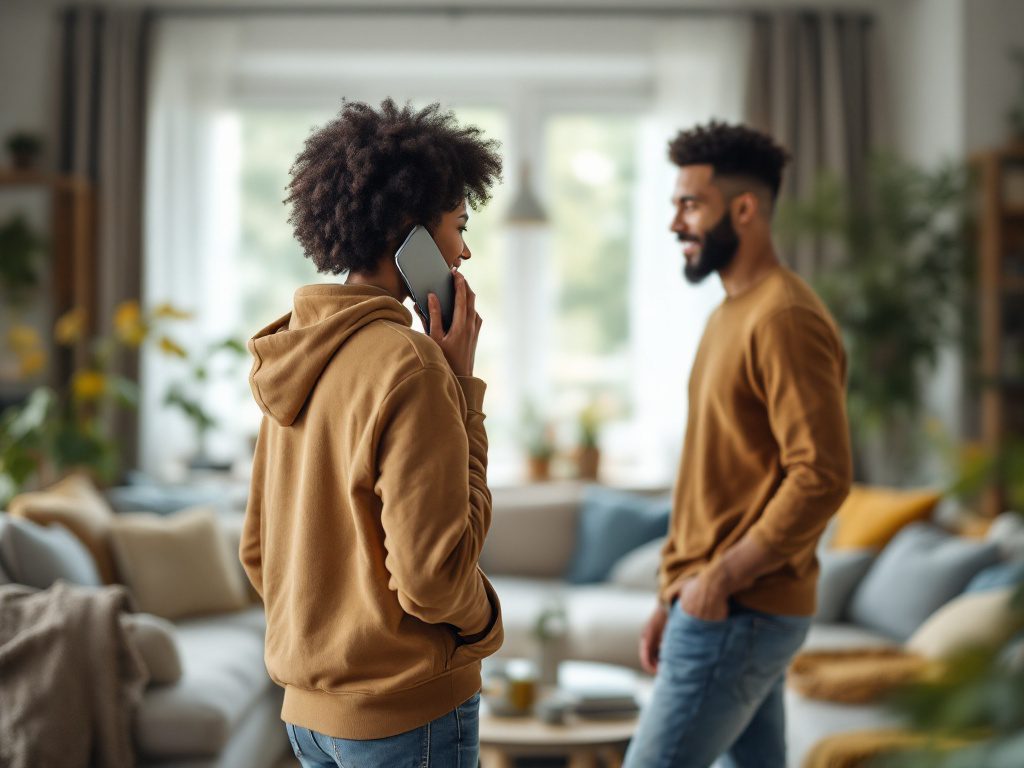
(186, 395)
(540, 444)
(588, 454)
(24, 148)
(56, 431)
(900, 289)
(20, 248)
(550, 631)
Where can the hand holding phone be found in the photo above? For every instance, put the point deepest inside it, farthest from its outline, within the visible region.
(459, 343)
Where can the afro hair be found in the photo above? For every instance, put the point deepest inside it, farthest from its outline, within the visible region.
(363, 179)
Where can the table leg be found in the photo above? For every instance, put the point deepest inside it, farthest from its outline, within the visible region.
(612, 757)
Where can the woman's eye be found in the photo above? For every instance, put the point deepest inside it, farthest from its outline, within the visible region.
(463, 230)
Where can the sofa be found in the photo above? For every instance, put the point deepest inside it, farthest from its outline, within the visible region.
(869, 597)
(591, 554)
(216, 708)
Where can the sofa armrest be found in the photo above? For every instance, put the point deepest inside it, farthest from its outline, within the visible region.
(533, 530)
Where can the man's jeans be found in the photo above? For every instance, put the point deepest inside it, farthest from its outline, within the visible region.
(451, 741)
(719, 692)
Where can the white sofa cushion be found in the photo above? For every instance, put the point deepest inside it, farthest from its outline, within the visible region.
(533, 531)
(223, 677)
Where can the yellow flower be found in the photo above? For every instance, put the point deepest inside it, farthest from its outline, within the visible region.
(69, 327)
(88, 385)
(171, 347)
(32, 362)
(128, 323)
(167, 311)
(24, 339)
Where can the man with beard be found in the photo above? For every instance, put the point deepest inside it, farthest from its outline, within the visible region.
(766, 462)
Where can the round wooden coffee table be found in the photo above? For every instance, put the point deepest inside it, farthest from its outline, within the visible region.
(587, 743)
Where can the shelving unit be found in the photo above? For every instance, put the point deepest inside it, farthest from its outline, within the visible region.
(72, 242)
(1001, 301)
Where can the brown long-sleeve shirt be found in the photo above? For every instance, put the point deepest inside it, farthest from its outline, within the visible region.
(767, 448)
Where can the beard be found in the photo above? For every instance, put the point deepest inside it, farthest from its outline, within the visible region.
(717, 250)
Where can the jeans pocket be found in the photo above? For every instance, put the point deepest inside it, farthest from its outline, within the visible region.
(773, 643)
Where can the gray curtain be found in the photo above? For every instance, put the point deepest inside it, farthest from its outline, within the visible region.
(101, 129)
(814, 85)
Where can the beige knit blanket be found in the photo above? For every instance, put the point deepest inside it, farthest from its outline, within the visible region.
(69, 678)
(854, 676)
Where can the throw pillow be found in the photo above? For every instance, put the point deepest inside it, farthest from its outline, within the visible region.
(154, 637)
(177, 565)
(612, 523)
(841, 572)
(37, 556)
(1007, 531)
(921, 570)
(998, 576)
(639, 569)
(984, 619)
(870, 517)
(75, 503)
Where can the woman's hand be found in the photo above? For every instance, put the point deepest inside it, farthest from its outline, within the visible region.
(459, 344)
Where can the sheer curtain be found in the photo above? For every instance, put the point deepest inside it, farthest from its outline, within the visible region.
(670, 74)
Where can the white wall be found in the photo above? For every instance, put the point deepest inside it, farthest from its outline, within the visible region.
(992, 81)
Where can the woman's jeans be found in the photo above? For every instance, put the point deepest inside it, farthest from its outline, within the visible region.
(719, 692)
(450, 741)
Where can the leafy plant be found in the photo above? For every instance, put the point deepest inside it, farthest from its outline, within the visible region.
(538, 434)
(56, 430)
(899, 286)
(589, 426)
(20, 248)
(185, 394)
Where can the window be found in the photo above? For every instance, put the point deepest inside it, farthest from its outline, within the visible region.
(591, 309)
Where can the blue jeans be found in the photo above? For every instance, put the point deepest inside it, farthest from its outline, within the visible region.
(719, 692)
(450, 741)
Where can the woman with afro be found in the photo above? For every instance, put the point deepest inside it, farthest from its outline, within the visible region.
(368, 504)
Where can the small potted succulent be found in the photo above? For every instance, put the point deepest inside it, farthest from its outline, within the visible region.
(24, 148)
(539, 440)
(588, 454)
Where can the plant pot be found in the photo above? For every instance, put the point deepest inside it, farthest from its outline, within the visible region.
(539, 468)
(588, 461)
(24, 161)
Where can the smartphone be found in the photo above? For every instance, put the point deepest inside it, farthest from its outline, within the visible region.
(424, 271)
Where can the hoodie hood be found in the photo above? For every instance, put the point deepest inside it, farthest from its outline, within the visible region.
(290, 354)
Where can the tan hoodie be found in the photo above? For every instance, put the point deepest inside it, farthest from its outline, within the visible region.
(366, 515)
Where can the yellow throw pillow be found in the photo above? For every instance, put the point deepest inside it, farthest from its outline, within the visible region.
(75, 503)
(870, 516)
(975, 619)
(177, 565)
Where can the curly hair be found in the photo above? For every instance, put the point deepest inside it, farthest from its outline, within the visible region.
(366, 176)
(732, 150)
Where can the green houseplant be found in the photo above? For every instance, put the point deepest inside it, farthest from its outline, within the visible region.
(24, 148)
(899, 286)
(57, 430)
(20, 249)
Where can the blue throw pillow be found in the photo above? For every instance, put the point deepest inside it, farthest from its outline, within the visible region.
(920, 570)
(1010, 574)
(612, 524)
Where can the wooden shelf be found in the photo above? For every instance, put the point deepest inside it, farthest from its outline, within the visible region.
(11, 177)
(1013, 212)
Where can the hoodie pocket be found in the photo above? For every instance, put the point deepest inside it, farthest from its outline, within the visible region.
(489, 643)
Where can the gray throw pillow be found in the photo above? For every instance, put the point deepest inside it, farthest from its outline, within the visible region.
(37, 556)
(639, 568)
(155, 640)
(920, 570)
(841, 572)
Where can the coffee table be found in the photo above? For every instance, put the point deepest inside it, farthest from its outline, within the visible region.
(585, 742)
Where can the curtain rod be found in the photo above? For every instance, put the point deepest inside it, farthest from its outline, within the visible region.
(507, 10)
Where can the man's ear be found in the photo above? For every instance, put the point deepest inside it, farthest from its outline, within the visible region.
(745, 208)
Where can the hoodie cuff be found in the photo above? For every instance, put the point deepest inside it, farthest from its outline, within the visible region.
(473, 388)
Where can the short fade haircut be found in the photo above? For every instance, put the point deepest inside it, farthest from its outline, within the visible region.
(363, 179)
(732, 150)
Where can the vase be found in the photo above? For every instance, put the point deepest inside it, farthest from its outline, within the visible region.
(539, 468)
(588, 461)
